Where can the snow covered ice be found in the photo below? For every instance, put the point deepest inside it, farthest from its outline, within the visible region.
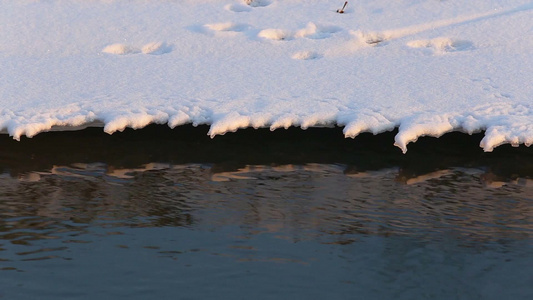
(426, 67)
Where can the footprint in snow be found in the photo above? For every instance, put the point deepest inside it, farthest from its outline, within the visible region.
(238, 8)
(372, 38)
(154, 48)
(306, 55)
(276, 34)
(120, 49)
(488, 85)
(314, 31)
(258, 3)
(441, 45)
(311, 31)
(228, 26)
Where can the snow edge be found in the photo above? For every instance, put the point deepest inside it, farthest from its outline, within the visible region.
(499, 130)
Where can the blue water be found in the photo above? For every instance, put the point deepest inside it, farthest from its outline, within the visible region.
(117, 220)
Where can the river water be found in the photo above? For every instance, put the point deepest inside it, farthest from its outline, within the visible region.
(171, 214)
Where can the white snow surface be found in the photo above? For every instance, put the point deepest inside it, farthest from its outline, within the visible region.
(426, 67)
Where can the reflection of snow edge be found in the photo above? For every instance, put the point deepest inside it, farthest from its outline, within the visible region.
(91, 171)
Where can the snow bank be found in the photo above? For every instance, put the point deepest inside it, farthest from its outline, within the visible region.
(425, 67)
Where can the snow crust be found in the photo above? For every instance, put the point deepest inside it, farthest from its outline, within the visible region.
(426, 67)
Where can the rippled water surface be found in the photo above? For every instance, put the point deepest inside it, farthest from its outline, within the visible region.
(158, 214)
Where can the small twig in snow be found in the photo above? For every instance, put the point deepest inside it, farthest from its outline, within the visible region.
(341, 11)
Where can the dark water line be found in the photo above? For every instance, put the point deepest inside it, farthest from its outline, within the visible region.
(188, 144)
